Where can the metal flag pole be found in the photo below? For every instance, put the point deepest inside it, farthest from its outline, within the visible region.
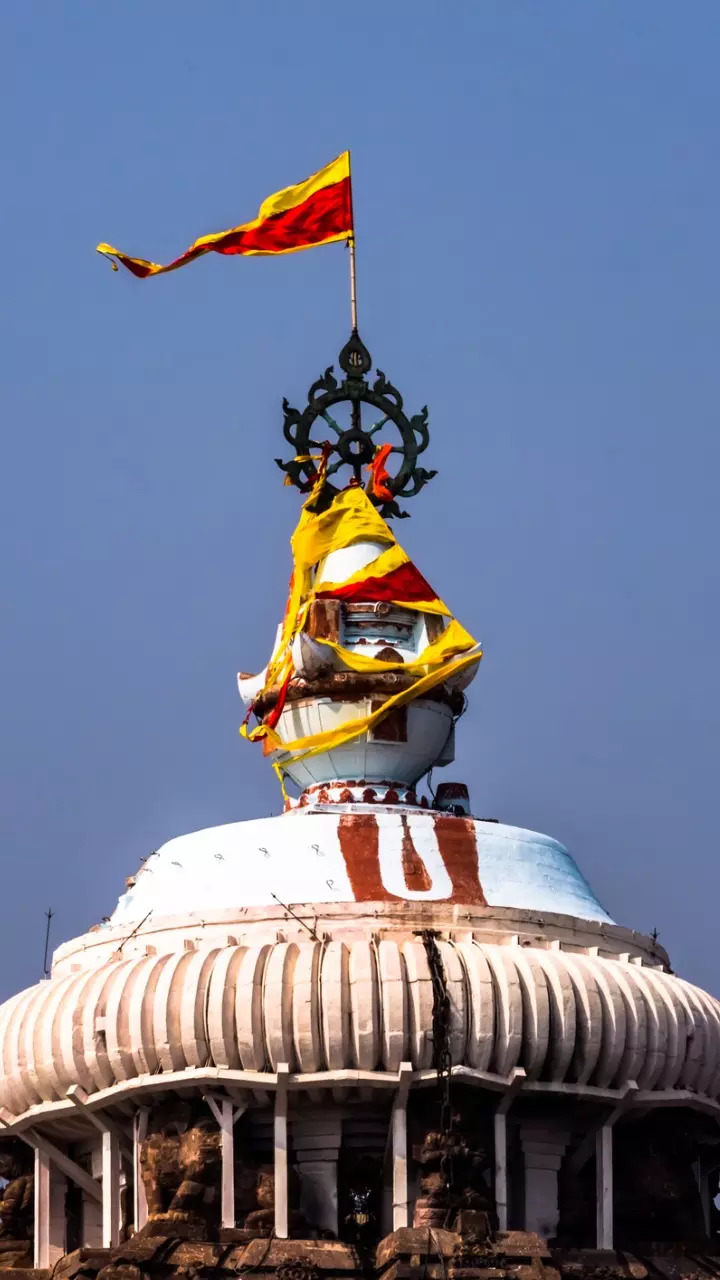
(353, 284)
(351, 247)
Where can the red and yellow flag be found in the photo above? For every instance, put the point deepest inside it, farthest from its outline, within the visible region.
(316, 211)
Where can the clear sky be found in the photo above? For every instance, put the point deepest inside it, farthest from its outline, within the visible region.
(537, 200)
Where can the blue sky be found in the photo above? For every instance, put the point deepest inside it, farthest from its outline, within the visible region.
(537, 203)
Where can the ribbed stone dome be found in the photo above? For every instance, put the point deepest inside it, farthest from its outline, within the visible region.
(326, 1006)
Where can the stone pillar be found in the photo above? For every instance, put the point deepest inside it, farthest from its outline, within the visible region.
(227, 1130)
(702, 1177)
(501, 1181)
(517, 1080)
(280, 1143)
(604, 1186)
(50, 1188)
(91, 1227)
(110, 1189)
(543, 1148)
(399, 1147)
(226, 1115)
(140, 1124)
(92, 1222)
(316, 1137)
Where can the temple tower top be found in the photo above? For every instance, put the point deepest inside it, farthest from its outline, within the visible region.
(367, 676)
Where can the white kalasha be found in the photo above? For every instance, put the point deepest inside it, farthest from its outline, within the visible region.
(429, 739)
(562, 1016)
(430, 732)
(340, 565)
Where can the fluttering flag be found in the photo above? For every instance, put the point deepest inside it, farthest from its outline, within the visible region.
(314, 212)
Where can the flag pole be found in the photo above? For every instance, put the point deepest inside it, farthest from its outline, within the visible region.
(353, 285)
(351, 247)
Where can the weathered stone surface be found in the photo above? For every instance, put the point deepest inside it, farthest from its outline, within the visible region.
(17, 1261)
(173, 1226)
(454, 1159)
(677, 1267)
(257, 1254)
(414, 1240)
(521, 1244)
(26, 1273)
(238, 1235)
(326, 1255)
(472, 1224)
(591, 1264)
(16, 1197)
(15, 1255)
(407, 1254)
(180, 1163)
(85, 1260)
(119, 1271)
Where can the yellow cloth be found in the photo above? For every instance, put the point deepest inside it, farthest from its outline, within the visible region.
(351, 517)
(454, 640)
(386, 562)
(313, 744)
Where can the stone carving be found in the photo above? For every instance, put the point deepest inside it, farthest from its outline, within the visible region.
(262, 1217)
(120, 1271)
(452, 1164)
(473, 1227)
(180, 1163)
(297, 1269)
(16, 1204)
(255, 1197)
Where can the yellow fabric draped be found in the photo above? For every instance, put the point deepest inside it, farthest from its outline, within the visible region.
(301, 748)
(454, 640)
(386, 562)
(350, 518)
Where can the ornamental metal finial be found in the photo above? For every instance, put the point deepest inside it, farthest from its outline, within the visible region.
(354, 445)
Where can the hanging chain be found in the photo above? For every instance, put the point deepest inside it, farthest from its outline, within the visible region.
(442, 1058)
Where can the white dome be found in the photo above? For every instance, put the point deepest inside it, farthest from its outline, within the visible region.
(345, 853)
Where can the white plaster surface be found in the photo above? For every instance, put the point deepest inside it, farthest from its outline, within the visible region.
(428, 727)
(298, 857)
(343, 563)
